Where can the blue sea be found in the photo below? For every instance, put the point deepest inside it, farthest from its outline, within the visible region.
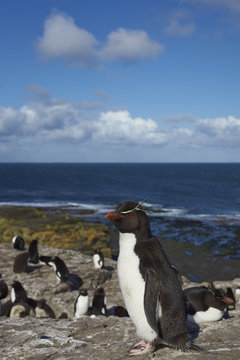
(194, 203)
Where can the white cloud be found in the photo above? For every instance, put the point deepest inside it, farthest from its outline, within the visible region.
(232, 5)
(179, 24)
(62, 38)
(46, 119)
(120, 128)
(128, 46)
(221, 130)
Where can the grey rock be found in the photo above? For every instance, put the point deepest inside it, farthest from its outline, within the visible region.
(98, 337)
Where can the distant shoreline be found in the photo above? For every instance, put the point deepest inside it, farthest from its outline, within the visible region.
(64, 228)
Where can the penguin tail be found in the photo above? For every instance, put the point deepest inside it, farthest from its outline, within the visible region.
(184, 343)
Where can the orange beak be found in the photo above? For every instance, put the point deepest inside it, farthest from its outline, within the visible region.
(228, 300)
(112, 215)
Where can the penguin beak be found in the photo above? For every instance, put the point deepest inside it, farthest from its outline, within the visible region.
(228, 300)
(112, 215)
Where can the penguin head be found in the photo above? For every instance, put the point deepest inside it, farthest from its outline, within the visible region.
(129, 217)
(216, 298)
(83, 292)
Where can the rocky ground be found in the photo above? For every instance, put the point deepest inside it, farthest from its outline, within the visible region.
(101, 338)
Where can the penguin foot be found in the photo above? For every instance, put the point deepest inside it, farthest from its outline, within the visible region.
(140, 348)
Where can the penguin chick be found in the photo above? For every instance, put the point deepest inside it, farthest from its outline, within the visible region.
(20, 264)
(81, 304)
(149, 284)
(21, 309)
(43, 310)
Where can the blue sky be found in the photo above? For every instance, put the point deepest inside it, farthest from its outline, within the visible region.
(120, 81)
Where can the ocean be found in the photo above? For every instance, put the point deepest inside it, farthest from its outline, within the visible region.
(193, 203)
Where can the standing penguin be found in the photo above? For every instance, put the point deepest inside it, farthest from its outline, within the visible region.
(205, 304)
(149, 284)
(98, 259)
(18, 243)
(19, 295)
(61, 270)
(81, 304)
(33, 250)
(99, 304)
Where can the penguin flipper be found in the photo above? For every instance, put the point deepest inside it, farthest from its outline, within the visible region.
(151, 300)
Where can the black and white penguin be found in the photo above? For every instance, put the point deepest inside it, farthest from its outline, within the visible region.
(43, 310)
(60, 268)
(20, 264)
(33, 250)
(149, 284)
(45, 260)
(81, 304)
(98, 259)
(205, 304)
(19, 295)
(237, 294)
(99, 304)
(18, 243)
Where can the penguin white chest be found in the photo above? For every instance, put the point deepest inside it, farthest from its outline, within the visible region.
(82, 306)
(96, 261)
(211, 314)
(132, 286)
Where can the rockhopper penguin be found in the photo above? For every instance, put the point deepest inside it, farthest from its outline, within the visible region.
(205, 304)
(149, 284)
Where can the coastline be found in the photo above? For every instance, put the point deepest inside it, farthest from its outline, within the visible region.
(76, 229)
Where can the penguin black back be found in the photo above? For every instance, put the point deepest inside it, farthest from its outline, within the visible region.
(99, 302)
(3, 289)
(18, 293)
(18, 243)
(33, 250)
(201, 298)
(61, 269)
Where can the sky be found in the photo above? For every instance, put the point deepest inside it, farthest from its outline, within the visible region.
(120, 81)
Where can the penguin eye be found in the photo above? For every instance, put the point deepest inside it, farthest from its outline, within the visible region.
(130, 215)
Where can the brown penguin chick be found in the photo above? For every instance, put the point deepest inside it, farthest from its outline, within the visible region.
(6, 308)
(21, 309)
(21, 263)
(43, 310)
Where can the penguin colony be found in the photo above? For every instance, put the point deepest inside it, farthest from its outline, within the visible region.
(149, 283)
(20, 305)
